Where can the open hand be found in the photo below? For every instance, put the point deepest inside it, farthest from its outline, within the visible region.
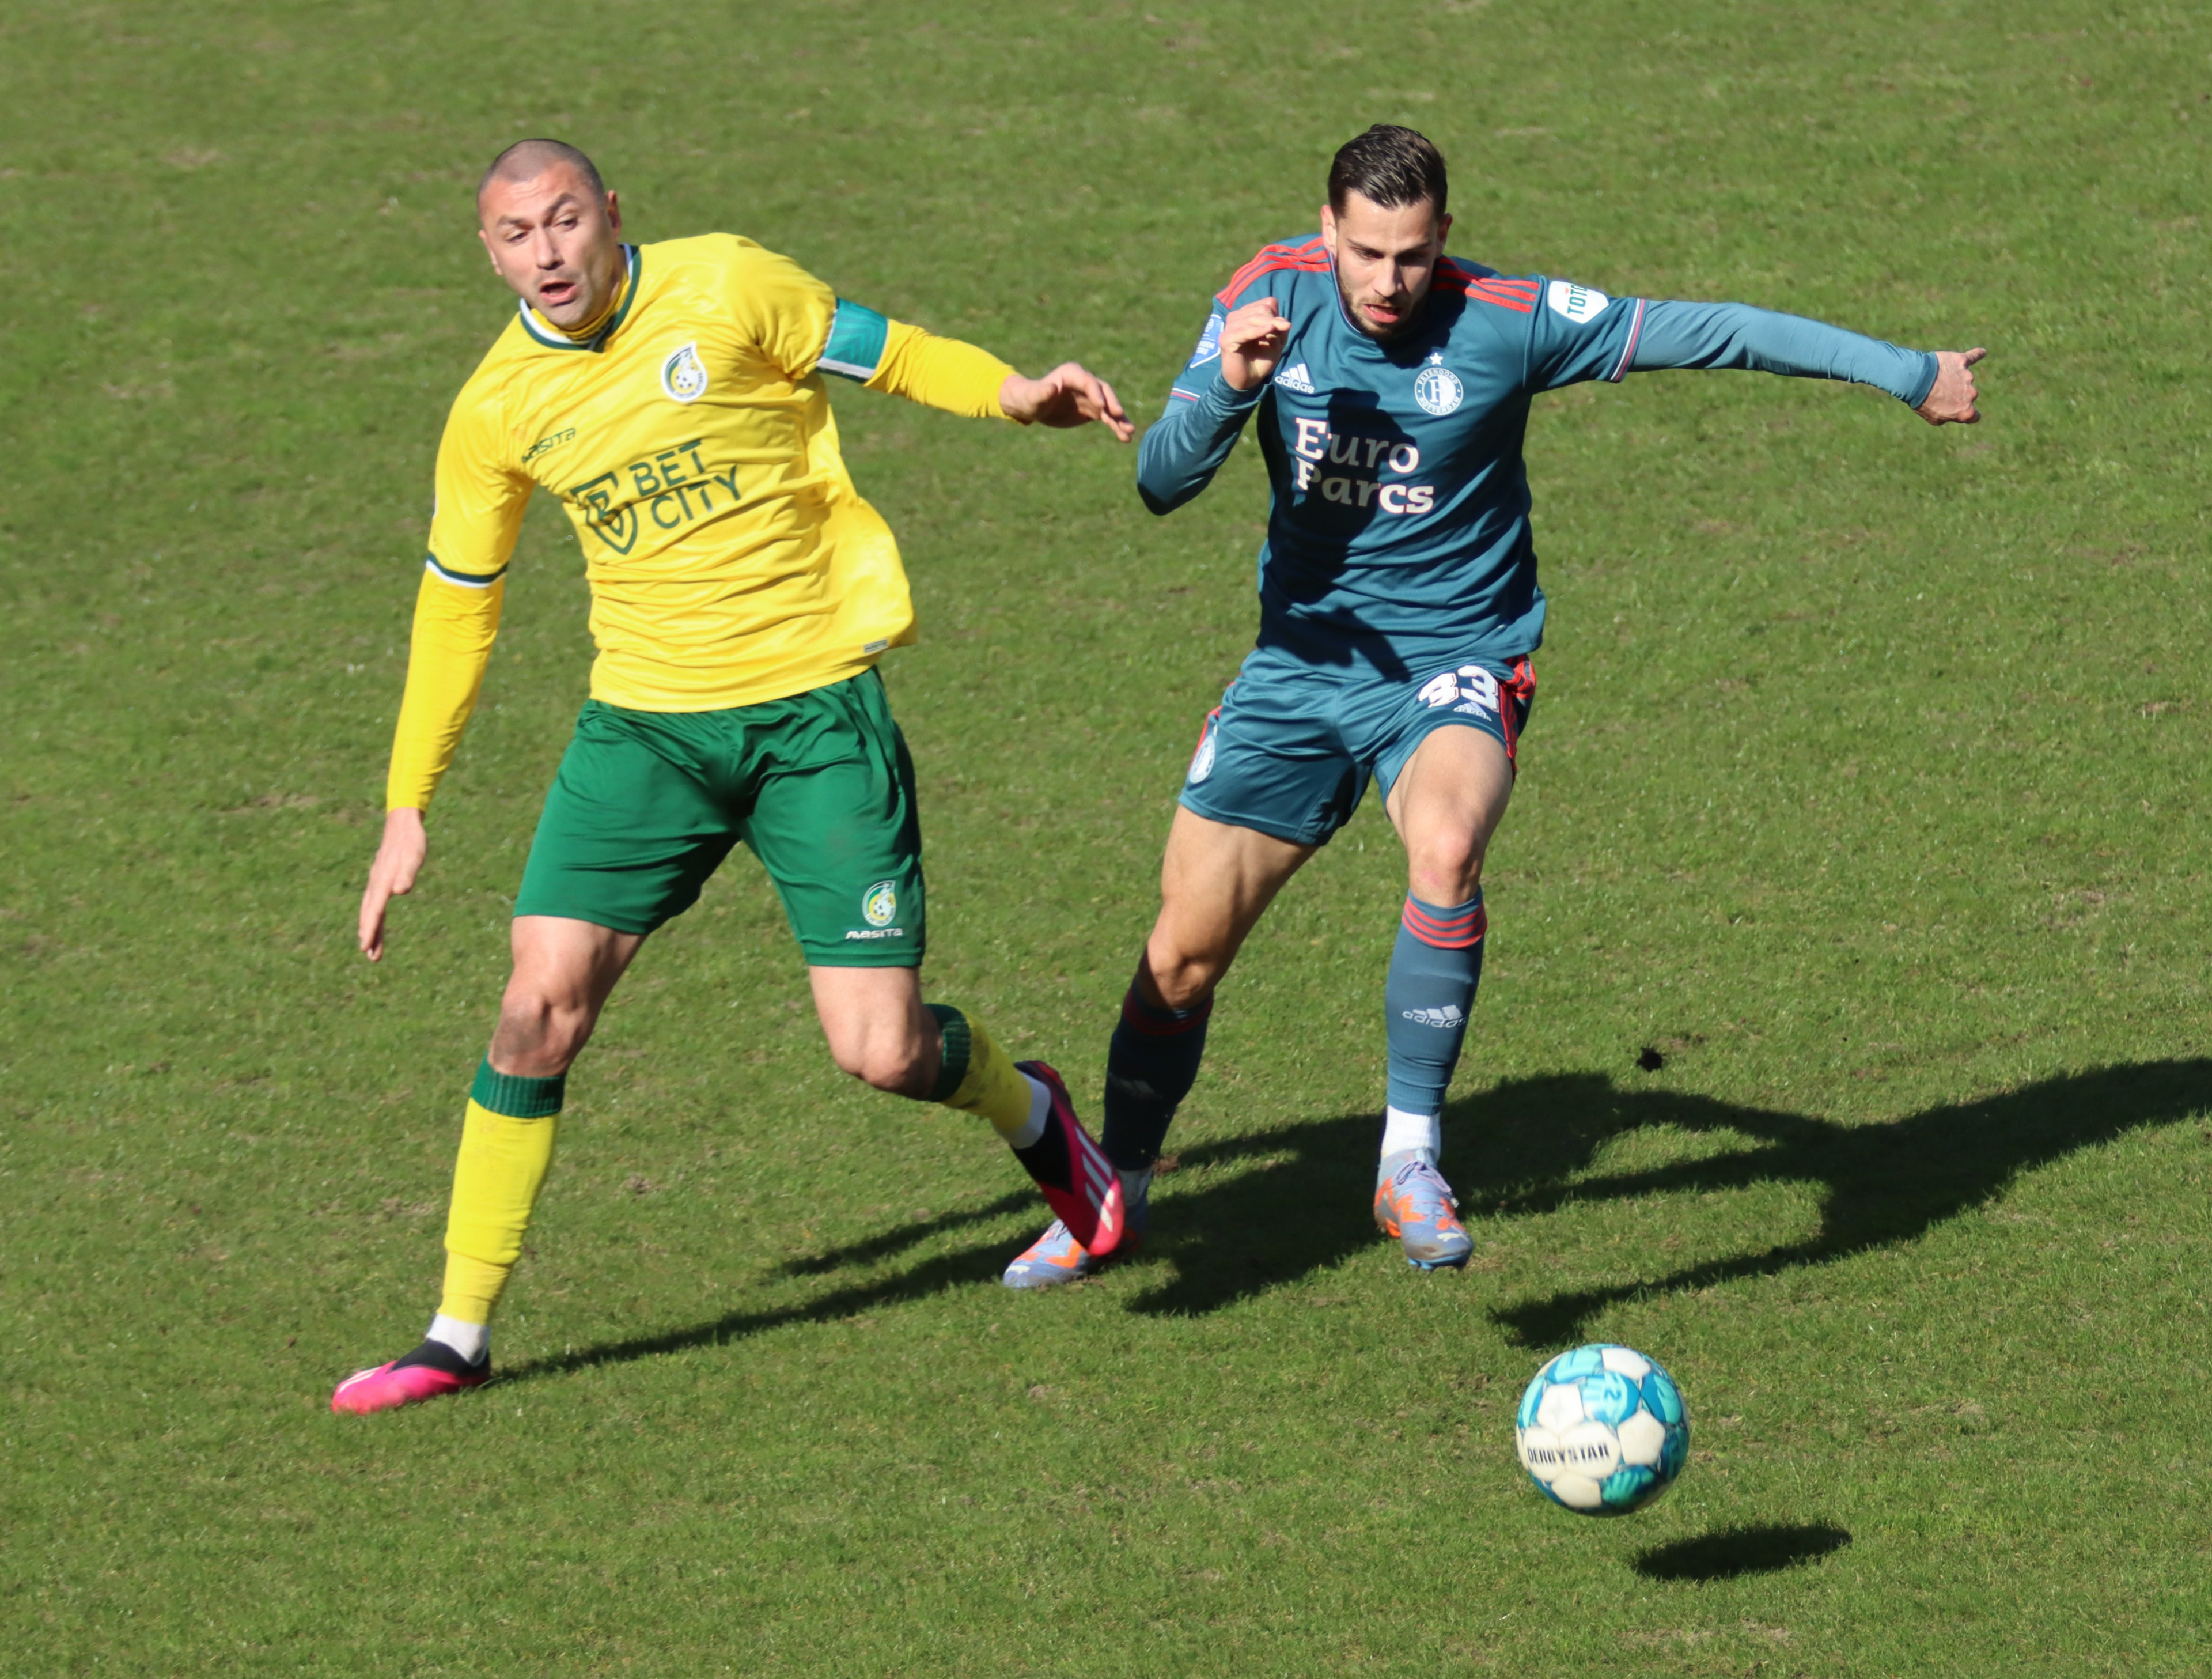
(1252, 341)
(398, 860)
(1951, 399)
(1070, 395)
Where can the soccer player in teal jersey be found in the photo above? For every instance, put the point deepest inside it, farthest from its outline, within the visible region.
(1390, 386)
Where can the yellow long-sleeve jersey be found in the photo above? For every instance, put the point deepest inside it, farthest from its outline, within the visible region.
(688, 433)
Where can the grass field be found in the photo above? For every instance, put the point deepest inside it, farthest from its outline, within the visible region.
(1867, 785)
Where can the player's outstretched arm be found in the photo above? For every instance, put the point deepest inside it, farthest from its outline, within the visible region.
(1070, 395)
(903, 361)
(1939, 386)
(399, 861)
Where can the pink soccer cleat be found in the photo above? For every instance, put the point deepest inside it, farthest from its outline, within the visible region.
(430, 1372)
(1078, 1181)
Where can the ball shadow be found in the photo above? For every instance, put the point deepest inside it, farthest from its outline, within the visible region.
(1734, 1551)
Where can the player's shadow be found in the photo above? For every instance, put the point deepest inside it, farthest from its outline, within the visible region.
(1294, 1200)
(1879, 1184)
(1733, 1552)
(1249, 1214)
(967, 1265)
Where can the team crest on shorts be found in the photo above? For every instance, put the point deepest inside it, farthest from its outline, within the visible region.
(683, 376)
(1437, 388)
(1201, 763)
(879, 903)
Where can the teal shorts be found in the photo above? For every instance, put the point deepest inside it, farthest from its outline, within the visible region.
(819, 786)
(1291, 749)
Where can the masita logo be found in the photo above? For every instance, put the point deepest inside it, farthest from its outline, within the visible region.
(683, 376)
(548, 443)
(1577, 303)
(1437, 388)
(879, 903)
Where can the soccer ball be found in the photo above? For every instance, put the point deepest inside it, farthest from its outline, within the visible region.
(1602, 1430)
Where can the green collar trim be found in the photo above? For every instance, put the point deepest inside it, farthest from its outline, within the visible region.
(544, 332)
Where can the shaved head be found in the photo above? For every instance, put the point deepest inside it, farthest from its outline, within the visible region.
(553, 231)
(526, 159)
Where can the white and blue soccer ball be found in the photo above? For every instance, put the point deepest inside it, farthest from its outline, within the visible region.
(1602, 1430)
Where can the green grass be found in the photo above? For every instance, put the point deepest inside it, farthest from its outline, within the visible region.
(1865, 783)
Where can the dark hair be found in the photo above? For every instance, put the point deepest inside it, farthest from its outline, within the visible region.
(1388, 166)
(526, 159)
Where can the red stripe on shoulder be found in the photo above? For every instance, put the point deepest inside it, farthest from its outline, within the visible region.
(1519, 301)
(1312, 256)
(1519, 295)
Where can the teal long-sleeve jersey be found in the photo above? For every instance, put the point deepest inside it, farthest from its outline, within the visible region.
(1398, 539)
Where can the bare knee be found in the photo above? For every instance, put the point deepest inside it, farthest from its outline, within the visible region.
(1444, 871)
(877, 1029)
(894, 1050)
(903, 1069)
(540, 1036)
(1179, 979)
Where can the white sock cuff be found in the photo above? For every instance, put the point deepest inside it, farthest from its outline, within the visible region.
(1040, 1111)
(1421, 1133)
(471, 1340)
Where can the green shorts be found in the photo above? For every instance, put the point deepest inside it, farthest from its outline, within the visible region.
(648, 803)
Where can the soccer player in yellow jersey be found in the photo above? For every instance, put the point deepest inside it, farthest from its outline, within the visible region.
(671, 395)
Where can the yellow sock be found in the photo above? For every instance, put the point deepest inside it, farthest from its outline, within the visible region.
(978, 1077)
(472, 1287)
(502, 1164)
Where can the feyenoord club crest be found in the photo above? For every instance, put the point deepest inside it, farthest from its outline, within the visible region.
(683, 376)
(1437, 388)
(1201, 763)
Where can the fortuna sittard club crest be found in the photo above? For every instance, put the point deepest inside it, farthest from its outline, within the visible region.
(683, 376)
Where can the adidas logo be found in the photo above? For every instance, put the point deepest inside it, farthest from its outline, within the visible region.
(1449, 1015)
(1296, 379)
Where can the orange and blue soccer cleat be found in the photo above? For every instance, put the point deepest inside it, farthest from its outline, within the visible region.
(430, 1372)
(1056, 1257)
(1413, 1203)
(1078, 1181)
